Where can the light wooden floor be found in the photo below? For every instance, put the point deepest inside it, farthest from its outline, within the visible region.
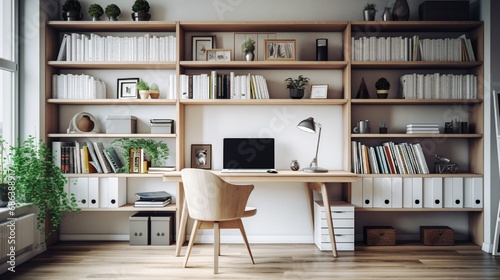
(118, 260)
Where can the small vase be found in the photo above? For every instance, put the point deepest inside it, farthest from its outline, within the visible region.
(401, 10)
(96, 18)
(387, 16)
(296, 93)
(144, 94)
(154, 94)
(382, 94)
(369, 15)
(141, 16)
(72, 16)
(294, 165)
(249, 56)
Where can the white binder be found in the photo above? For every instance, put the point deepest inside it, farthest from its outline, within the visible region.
(453, 192)
(357, 193)
(433, 192)
(382, 192)
(117, 192)
(407, 192)
(93, 192)
(80, 188)
(103, 192)
(397, 192)
(417, 192)
(473, 192)
(367, 192)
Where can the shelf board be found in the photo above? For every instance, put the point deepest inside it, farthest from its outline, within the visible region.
(415, 64)
(423, 135)
(166, 65)
(113, 175)
(414, 26)
(104, 135)
(394, 101)
(264, 26)
(263, 101)
(361, 209)
(121, 26)
(112, 101)
(264, 64)
(131, 208)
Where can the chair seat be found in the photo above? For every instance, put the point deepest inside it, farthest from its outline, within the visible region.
(250, 211)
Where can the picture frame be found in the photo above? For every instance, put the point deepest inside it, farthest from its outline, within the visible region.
(218, 55)
(127, 88)
(199, 46)
(279, 49)
(319, 91)
(201, 156)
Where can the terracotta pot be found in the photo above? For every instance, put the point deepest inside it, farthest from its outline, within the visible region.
(154, 94)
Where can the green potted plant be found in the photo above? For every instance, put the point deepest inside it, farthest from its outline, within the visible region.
(143, 89)
(296, 86)
(154, 91)
(112, 12)
(156, 150)
(96, 12)
(382, 85)
(369, 12)
(141, 11)
(248, 47)
(72, 10)
(37, 180)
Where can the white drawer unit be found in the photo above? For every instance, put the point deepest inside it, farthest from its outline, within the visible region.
(343, 224)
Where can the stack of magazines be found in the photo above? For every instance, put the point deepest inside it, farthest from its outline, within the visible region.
(153, 199)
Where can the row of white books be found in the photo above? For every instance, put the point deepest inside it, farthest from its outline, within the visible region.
(223, 86)
(411, 49)
(418, 128)
(438, 86)
(390, 158)
(70, 86)
(93, 47)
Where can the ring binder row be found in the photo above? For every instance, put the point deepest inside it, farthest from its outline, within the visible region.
(418, 192)
(97, 192)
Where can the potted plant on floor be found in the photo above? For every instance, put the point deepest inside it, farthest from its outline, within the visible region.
(143, 89)
(96, 12)
(296, 86)
(141, 11)
(37, 180)
(112, 12)
(248, 47)
(382, 86)
(72, 10)
(369, 12)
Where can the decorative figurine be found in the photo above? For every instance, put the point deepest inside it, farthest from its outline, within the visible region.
(445, 165)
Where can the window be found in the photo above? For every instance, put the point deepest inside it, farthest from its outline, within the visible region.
(8, 69)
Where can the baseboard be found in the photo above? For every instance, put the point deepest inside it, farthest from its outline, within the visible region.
(487, 247)
(94, 237)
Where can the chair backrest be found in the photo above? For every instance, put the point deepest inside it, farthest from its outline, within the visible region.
(209, 198)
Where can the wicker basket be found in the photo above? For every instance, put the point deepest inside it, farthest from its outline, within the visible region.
(379, 235)
(437, 235)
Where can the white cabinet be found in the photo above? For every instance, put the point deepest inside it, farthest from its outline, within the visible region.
(343, 224)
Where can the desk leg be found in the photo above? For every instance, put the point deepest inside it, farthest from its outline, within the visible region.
(181, 235)
(329, 221)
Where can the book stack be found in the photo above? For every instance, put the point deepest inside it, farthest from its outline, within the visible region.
(153, 199)
(160, 169)
(70, 86)
(418, 128)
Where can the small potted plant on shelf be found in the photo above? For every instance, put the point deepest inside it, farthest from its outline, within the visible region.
(96, 12)
(112, 12)
(72, 10)
(382, 86)
(141, 11)
(296, 86)
(248, 47)
(369, 12)
(154, 91)
(143, 89)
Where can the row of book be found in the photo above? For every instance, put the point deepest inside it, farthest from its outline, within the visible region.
(417, 128)
(389, 158)
(223, 86)
(70, 86)
(93, 47)
(153, 199)
(438, 86)
(411, 49)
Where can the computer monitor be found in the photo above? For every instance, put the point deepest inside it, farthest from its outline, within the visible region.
(248, 153)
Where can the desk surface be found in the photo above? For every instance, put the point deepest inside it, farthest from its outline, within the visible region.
(332, 176)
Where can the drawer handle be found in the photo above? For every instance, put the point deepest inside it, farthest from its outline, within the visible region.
(338, 212)
(338, 234)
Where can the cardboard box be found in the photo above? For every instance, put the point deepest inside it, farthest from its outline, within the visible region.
(139, 229)
(121, 124)
(437, 235)
(444, 10)
(379, 235)
(161, 228)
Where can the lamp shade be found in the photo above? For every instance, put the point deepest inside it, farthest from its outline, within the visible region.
(307, 125)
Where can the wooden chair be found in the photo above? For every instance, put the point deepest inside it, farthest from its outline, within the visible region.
(214, 203)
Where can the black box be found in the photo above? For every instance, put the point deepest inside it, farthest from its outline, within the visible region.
(444, 10)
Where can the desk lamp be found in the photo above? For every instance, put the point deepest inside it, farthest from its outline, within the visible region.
(309, 125)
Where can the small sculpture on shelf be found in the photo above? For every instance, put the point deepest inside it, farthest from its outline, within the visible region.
(72, 10)
(141, 11)
(95, 11)
(382, 86)
(444, 164)
(154, 91)
(363, 91)
(112, 12)
(248, 47)
(296, 86)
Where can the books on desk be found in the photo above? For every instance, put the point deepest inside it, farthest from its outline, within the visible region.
(153, 199)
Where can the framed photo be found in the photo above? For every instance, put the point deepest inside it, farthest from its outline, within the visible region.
(219, 55)
(201, 156)
(319, 91)
(200, 46)
(127, 88)
(279, 49)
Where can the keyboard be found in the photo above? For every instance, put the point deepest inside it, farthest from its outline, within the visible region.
(245, 170)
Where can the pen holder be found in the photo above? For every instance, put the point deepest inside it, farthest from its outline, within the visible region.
(382, 130)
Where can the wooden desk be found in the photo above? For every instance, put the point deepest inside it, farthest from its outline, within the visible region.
(315, 182)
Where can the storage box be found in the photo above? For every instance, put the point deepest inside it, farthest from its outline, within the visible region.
(139, 229)
(161, 228)
(121, 124)
(379, 235)
(437, 235)
(162, 126)
(444, 10)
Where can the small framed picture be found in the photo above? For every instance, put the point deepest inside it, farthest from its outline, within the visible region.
(201, 156)
(279, 49)
(127, 88)
(200, 46)
(219, 55)
(319, 91)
